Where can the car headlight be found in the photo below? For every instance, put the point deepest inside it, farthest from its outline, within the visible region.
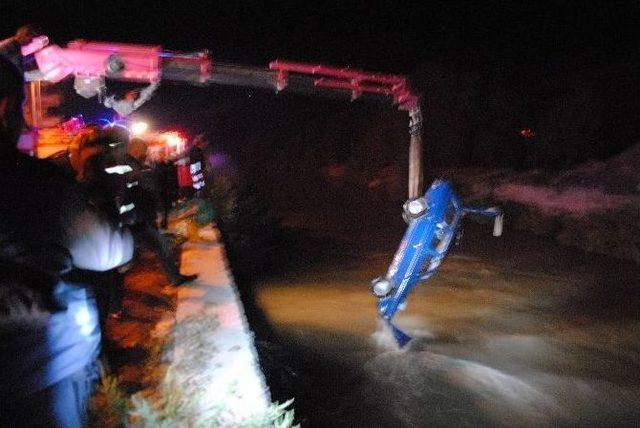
(415, 207)
(381, 286)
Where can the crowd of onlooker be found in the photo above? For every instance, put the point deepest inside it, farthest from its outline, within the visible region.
(69, 226)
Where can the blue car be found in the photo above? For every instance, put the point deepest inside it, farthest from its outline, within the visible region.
(433, 223)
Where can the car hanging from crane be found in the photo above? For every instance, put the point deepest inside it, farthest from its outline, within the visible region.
(434, 219)
(434, 222)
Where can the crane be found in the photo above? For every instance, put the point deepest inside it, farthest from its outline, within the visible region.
(93, 62)
(433, 218)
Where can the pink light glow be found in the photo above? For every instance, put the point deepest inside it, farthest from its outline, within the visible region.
(141, 63)
(53, 64)
(36, 44)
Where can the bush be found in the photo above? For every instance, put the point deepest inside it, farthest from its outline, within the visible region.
(253, 237)
(614, 233)
(173, 406)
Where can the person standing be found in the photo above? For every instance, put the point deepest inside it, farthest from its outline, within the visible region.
(198, 164)
(115, 183)
(165, 175)
(49, 334)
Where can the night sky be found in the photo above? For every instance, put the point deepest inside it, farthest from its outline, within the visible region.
(384, 35)
(486, 69)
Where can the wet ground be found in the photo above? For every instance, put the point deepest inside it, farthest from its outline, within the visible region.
(514, 331)
(132, 346)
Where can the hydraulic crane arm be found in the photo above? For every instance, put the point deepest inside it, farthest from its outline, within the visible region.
(93, 62)
(148, 63)
(434, 219)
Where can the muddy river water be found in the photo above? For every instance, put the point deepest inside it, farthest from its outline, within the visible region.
(510, 332)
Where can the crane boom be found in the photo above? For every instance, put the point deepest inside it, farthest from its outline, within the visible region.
(92, 62)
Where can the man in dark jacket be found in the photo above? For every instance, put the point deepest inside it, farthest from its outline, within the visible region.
(49, 335)
(197, 163)
(116, 182)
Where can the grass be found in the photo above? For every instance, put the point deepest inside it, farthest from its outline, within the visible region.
(176, 401)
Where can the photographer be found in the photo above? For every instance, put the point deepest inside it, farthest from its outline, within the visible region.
(113, 181)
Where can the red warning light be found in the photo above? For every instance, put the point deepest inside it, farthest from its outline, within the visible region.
(527, 133)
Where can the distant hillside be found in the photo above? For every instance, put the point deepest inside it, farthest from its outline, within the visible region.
(592, 187)
(594, 206)
(617, 175)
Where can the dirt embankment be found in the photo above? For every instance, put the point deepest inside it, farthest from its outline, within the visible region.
(594, 206)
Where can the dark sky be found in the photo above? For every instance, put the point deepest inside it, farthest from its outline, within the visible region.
(385, 35)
